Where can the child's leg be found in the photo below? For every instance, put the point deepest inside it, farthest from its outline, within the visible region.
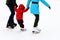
(20, 22)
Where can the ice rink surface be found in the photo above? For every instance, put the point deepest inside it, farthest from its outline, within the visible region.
(49, 22)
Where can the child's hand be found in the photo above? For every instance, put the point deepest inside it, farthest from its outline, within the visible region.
(26, 9)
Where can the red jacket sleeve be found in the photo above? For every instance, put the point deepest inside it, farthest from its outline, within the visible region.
(26, 10)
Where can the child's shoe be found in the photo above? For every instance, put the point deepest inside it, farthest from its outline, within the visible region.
(23, 29)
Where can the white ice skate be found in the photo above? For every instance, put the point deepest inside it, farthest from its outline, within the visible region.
(36, 30)
(23, 29)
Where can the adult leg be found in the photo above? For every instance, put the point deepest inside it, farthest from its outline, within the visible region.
(36, 29)
(11, 18)
(36, 20)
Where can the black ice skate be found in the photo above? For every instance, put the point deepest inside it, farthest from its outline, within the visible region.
(14, 24)
(10, 26)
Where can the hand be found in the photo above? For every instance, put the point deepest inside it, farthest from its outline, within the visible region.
(16, 5)
(14, 8)
(27, 7)
(49, 7)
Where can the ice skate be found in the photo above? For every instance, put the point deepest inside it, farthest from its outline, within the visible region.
(14, 24)
(23, 29)
(36, 30)
(9, 26)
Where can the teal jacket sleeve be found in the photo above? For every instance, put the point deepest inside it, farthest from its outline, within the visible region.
(45, 3)
(28, 3)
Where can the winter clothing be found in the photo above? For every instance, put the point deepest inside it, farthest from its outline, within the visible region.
(19, 14)
(11, 4)
(11, 18)
(36, 20)
(20, 11)
(20, 22)
(34, 8)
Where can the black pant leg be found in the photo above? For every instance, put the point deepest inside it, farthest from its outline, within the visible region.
(36, 20)
(11, 18)
(20, 22)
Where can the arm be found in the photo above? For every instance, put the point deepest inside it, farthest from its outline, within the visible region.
(14, 3)
(28, 3)
(26, 10)
(45, 3)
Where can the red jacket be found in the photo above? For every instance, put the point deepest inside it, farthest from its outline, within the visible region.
(19, 13)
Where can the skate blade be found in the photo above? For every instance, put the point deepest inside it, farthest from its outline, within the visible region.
(35, 32)
(23, 30)
(9, 27)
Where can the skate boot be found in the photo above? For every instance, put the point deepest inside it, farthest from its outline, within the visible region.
(36, 30)
(23, 29)
(10, 26)
(14, 24)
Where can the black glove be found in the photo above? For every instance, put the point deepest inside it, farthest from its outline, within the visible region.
(49, 7)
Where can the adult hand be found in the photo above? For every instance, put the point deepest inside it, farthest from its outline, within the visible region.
(14, 8)
(16, 5)
(27, 7)
(49, 7)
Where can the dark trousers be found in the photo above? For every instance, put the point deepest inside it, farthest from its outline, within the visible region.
(20, 22)
(36, 20)
(11, 18)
